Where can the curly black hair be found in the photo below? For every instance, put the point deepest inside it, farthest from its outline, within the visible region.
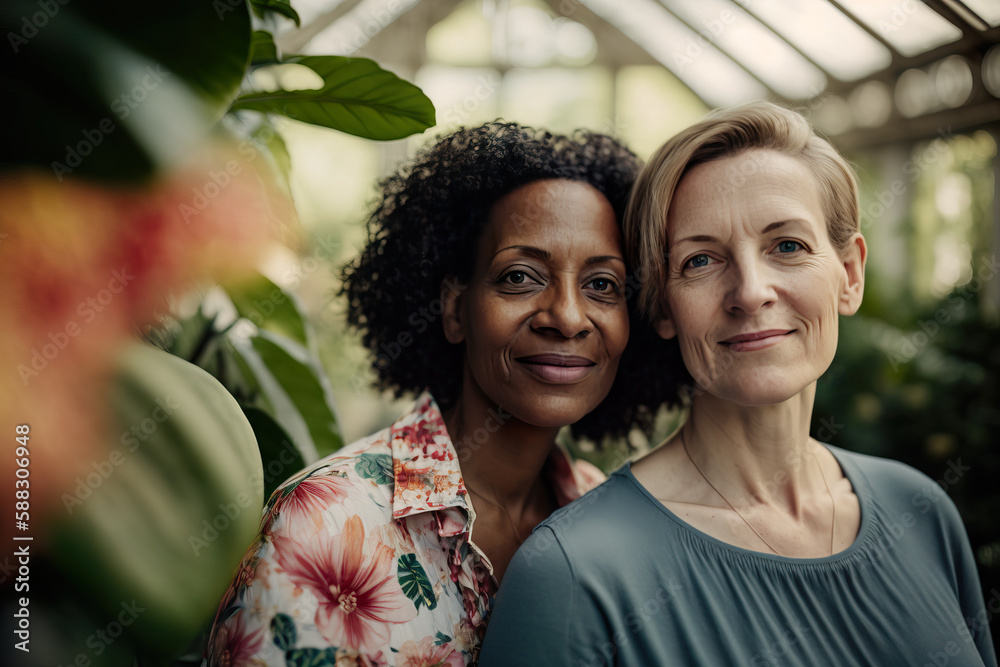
(426, 227)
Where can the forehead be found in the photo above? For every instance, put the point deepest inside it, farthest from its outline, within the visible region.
(551, 210)
(755, 186)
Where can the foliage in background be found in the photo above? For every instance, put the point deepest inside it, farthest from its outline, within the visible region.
(114, 97)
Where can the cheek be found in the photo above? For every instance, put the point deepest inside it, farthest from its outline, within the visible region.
(615, 333)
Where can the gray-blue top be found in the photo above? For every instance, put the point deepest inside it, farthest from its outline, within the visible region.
(617, 578)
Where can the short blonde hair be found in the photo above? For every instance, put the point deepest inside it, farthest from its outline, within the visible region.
(727, 133)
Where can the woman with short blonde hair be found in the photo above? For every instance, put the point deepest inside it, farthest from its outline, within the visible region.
(742, 540)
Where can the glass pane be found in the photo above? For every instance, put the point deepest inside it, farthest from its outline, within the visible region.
(461, 95)
(910, 26)
(559, 99)
(712, 75)
(463, 38)
(988, 10)
(822, 32)
(753, 45)
(356, 28)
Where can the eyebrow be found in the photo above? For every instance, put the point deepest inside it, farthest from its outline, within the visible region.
(704, 238)
(545, 254)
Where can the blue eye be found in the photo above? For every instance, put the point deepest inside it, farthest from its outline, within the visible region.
(698, 261)
(789, 246)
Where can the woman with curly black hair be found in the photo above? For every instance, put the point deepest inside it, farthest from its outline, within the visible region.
(494, 282)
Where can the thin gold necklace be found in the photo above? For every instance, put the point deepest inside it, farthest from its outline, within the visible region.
(503, 510)
(833, 503)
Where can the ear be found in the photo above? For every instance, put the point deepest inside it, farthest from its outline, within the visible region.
(451, 309)
(663, 323)
(854, 258)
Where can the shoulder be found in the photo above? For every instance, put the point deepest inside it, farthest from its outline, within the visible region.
(596, 524)
(886, 476)
(901, 488)
(355, 480)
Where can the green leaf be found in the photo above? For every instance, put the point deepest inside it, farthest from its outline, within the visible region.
(357, 97)
(117, 91)
(441, 638)
(312, 657)
(166, 528)
(279, 457)
(263, 50)
(283, 629)
(272, 308)
(377, 467)
(292, 387)
(260, 7)
(278, 155)
(414, 582)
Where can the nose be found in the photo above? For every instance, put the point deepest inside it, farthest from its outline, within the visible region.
(750, 289)
(563, 312)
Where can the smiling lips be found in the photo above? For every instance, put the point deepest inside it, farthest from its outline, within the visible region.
(756, 341)
(556, 368)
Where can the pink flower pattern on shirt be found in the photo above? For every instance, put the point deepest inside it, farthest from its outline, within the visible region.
(367, 558)
(357, 592)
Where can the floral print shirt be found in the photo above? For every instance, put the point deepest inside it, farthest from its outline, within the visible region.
(366, 558)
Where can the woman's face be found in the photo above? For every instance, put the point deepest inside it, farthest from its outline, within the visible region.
(543, 319)
(754, 285)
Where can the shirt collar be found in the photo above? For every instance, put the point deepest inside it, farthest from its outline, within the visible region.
(428, 476)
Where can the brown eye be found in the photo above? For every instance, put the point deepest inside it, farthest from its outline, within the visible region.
(516, 277)
(603, 285)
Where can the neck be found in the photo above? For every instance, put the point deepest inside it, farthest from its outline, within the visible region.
(501, 457)
(762, 454)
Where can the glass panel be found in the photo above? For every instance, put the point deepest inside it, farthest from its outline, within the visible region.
(461, 95)
(988, 10)
(559, 99)
(712, 75)
(644, 93)
(463, 38)
(356, 28)
(822, 32)
(753, 45)
(910, 26)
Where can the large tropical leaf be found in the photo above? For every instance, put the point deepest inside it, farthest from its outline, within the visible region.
(357, 97)
(272, 308)
(289, 384)
(110, 90)
(168, 518)
(280, 458)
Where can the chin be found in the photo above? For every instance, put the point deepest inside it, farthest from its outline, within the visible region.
(762, 389)
(551, 411)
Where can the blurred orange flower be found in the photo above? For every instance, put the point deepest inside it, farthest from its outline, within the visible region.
(83, 267)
